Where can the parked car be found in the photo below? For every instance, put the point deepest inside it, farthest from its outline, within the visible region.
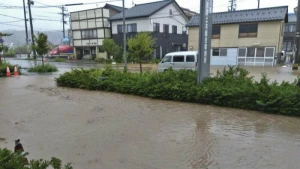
(179, 60)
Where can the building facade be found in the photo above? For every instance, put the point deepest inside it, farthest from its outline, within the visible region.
(247, 37)
(289, 35)
(89, 28)
(164, 19)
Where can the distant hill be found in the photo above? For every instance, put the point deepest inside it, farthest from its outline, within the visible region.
(18, 37)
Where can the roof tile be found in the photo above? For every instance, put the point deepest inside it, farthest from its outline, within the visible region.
(251, 15)
(142, 10)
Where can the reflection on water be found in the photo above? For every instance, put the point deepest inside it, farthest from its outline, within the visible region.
(107, 130)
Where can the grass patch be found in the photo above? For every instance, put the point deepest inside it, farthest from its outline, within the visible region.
(59, 60)
(43, 69)
(231, 87)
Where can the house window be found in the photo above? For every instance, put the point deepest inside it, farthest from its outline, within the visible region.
(174, 29)
(131, 28)
(290, 28)
(216, 31)
(178, 58)
(190, 58)
(223, 52)
(166, 28)
(120, 28)
(170, 12)
(270, 52)
(219, 52)
(156, 27)
(87, 34)
(250, 52)
(248, 30)
(260, 52)
(242, 52)
(216, 52)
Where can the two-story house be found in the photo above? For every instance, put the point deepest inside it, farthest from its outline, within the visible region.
(246, 37)
(164, 19)
(89, 28)
(289, 34)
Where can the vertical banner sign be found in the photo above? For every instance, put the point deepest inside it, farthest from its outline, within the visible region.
(205, 30)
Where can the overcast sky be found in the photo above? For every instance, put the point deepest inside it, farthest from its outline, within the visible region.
(52, 13)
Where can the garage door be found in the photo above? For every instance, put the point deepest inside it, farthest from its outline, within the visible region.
(224, 56)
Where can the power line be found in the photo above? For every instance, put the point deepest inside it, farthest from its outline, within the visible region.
(57, 6)
(10, 16)
(44, 19)
(20, 26)
(12, 21)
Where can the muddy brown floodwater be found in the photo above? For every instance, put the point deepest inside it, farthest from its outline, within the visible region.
(111, 131)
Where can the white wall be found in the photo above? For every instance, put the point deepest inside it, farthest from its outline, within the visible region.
(143, 24)
(163, 17)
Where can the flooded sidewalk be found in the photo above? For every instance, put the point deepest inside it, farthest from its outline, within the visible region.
(107, 130)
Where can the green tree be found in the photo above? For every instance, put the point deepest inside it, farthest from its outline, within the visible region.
(141, 46)
(111, 47)
(10, 160)
(1, 48)
(41, 46)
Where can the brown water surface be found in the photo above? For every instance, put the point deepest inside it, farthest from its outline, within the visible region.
(111, 131)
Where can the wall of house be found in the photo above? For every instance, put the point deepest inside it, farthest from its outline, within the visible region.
(142, 24)
(269, 34)
(163, 17)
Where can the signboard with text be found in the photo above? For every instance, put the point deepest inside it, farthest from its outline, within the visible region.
(205, 30)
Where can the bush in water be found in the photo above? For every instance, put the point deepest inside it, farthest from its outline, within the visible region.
(43, 68)
(231, 87)
(10, 160)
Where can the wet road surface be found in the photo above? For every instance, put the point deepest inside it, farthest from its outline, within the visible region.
(107, 130)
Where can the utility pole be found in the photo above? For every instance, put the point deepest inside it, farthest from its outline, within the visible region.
(232, 6)
(63, 20)
(31, 26)
(258, 4)
(26, 29)
(205, 31)
(297, 59)
(124, 37)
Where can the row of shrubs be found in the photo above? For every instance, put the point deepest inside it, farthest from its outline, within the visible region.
(109, 61)
(231, 87)
(3, 67)
(43, 68)
(11, 160)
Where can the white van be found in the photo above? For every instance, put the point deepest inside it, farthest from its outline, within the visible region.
(179, 60)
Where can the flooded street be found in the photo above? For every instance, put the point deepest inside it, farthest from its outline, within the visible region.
(107, 130)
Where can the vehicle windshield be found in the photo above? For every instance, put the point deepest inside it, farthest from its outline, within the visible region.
(167, 59)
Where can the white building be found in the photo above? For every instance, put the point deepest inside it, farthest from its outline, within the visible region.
(90, 28)
(164, 19)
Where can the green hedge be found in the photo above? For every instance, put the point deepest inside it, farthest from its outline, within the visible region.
(57, 59)
(231, 87)
(10, 160)
(43, 69)
(11, 68)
